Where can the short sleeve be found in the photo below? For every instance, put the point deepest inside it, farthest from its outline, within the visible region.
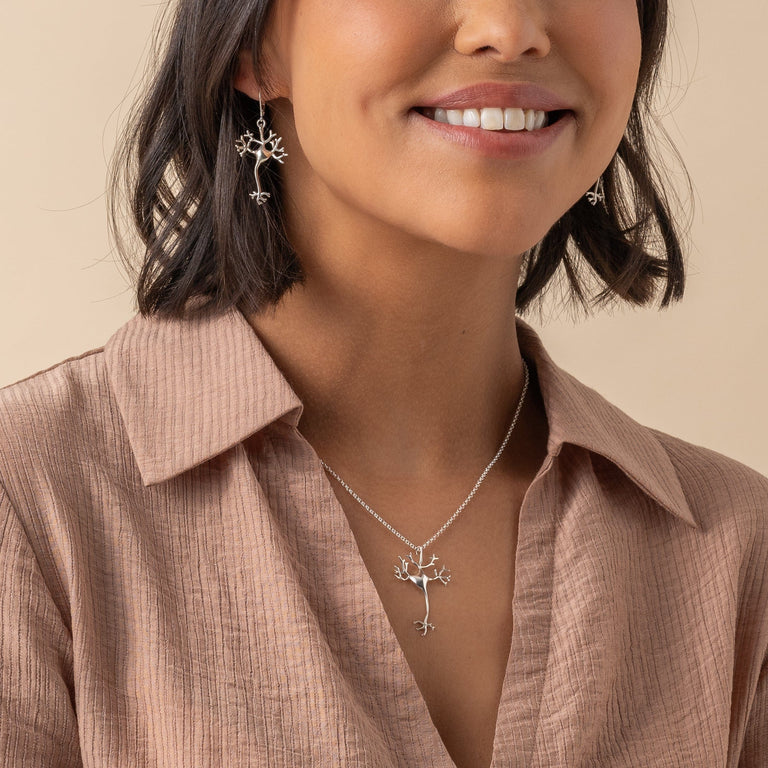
(38, 724)
(754, 753)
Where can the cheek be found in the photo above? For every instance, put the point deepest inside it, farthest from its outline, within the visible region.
(352, 70)
(603, 44)
(345, 54)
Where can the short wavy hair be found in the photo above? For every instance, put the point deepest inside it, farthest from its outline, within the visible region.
(202, 236)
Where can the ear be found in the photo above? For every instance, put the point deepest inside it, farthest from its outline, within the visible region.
(245, 78)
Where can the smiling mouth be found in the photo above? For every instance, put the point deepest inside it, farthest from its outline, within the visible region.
(509, 119)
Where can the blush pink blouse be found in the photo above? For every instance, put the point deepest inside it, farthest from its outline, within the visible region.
(172, 597)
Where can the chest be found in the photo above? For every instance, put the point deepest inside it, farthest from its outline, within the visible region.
(452, 617)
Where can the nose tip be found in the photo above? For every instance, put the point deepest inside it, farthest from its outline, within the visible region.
(502, 29)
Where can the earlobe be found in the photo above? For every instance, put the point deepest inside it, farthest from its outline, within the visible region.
(246, 82)
(245, 78)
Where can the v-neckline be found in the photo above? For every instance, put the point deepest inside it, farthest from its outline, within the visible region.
(522, 686)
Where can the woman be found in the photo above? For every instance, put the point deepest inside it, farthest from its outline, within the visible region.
(318, 504)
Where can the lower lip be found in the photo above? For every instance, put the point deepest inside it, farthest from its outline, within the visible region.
(507, 144)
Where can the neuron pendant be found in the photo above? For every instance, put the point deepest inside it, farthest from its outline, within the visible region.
(597, 193)
(421, 580)
(263, 149)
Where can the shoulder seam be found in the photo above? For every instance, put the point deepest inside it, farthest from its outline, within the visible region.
(714, 453)
(73, 358)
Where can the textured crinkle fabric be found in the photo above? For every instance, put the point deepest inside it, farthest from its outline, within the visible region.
(174, 596)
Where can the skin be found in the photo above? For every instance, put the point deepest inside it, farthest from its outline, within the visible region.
(399, 343)
(406, 311)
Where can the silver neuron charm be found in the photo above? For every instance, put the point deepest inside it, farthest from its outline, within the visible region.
(263, 149)
(421, 580)
(597, 193)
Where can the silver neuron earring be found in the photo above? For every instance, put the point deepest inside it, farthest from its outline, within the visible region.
(596, 193)
(263, 149)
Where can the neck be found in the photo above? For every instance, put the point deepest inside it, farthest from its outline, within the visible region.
(407, 361)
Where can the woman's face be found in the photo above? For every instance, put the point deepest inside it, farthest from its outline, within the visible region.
(360, 75)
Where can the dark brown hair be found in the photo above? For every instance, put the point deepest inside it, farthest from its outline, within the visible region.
(203, 237)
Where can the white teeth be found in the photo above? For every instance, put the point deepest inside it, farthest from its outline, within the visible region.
(472, 118)
(493, 118)
(530, 119)
(514, 119)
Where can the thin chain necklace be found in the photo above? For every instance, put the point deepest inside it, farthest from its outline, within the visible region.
(421, 578)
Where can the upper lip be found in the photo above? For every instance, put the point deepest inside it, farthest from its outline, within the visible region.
(523, 95)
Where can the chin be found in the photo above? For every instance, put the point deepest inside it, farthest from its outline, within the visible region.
(500, 235)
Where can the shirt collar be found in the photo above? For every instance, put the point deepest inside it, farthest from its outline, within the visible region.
(579, 415)
(190, 389)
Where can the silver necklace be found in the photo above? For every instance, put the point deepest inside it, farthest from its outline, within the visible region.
(420, 578)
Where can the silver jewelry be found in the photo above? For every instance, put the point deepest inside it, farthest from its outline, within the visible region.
(420, 578)
(263, 149)
(596, 193)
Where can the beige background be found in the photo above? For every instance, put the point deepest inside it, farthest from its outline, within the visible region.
(698, 370)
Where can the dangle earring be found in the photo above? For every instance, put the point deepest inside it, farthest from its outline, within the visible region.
(263, 149)
(596, 193)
